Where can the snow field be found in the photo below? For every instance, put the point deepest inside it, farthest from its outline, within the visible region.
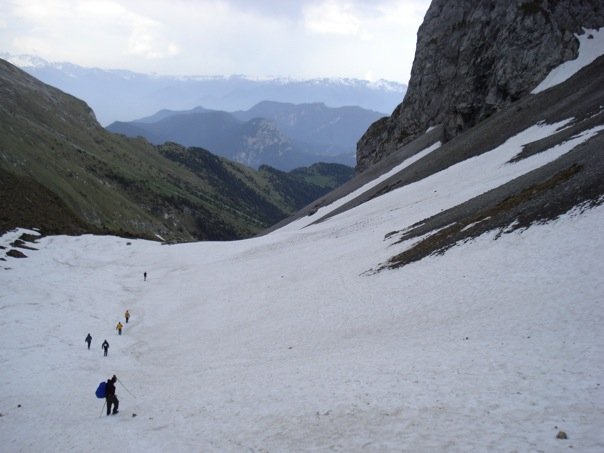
(489, 347)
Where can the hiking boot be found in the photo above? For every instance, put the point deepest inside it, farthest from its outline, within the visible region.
(114, 412)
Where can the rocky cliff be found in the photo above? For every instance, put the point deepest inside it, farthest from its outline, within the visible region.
(474, 57)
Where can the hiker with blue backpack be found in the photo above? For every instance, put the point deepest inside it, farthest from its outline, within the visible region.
(107, 390)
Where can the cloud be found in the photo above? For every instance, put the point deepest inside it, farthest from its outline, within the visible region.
(147, 39)
(332, 17)
(361, 18)
(59, 28)
(297, 38)
(289, 10)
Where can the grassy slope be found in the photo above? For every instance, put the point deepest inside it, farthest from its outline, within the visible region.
(109, 183)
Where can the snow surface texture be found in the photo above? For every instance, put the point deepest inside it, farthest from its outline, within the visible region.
(286, 343)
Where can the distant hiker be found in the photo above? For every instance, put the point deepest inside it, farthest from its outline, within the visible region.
(88, 340)
(110, 396)
(105, 347)
(127, 316)
(119, 327)
(145, 277)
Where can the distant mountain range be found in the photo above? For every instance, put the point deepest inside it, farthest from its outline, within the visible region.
(282, 135)
(61, 172)
(118, 95)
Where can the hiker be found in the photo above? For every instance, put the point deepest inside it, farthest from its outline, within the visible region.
(105, 347)
(110, 396)
(119, 327)
(127, 316)
(145, 276)
(88, 339)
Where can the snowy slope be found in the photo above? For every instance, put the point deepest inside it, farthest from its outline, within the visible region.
(591, 46)
(280, 343)
(286, 342)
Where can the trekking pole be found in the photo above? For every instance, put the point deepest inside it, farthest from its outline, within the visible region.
(125, 388)
(103, 409)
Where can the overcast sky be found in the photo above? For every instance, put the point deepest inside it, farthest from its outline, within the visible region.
(367, 39)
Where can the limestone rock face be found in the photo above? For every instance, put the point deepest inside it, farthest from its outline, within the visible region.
(474, 57)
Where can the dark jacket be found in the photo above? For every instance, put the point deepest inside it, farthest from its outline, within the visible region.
(110, 388)
(105, 345)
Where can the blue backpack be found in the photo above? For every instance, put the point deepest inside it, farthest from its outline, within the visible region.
(101, 390)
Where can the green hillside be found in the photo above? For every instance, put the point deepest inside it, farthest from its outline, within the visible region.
(62, 172)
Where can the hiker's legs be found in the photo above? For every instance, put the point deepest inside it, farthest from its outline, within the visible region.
(112, 401)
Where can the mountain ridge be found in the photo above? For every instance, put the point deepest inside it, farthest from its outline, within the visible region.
(134, 95)
(99, 182)
(291, 135)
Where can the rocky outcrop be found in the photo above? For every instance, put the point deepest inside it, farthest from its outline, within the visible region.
(474, 57)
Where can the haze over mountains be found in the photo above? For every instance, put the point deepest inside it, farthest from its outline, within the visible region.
(118, 95)
(284, 136)
(280, 122)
